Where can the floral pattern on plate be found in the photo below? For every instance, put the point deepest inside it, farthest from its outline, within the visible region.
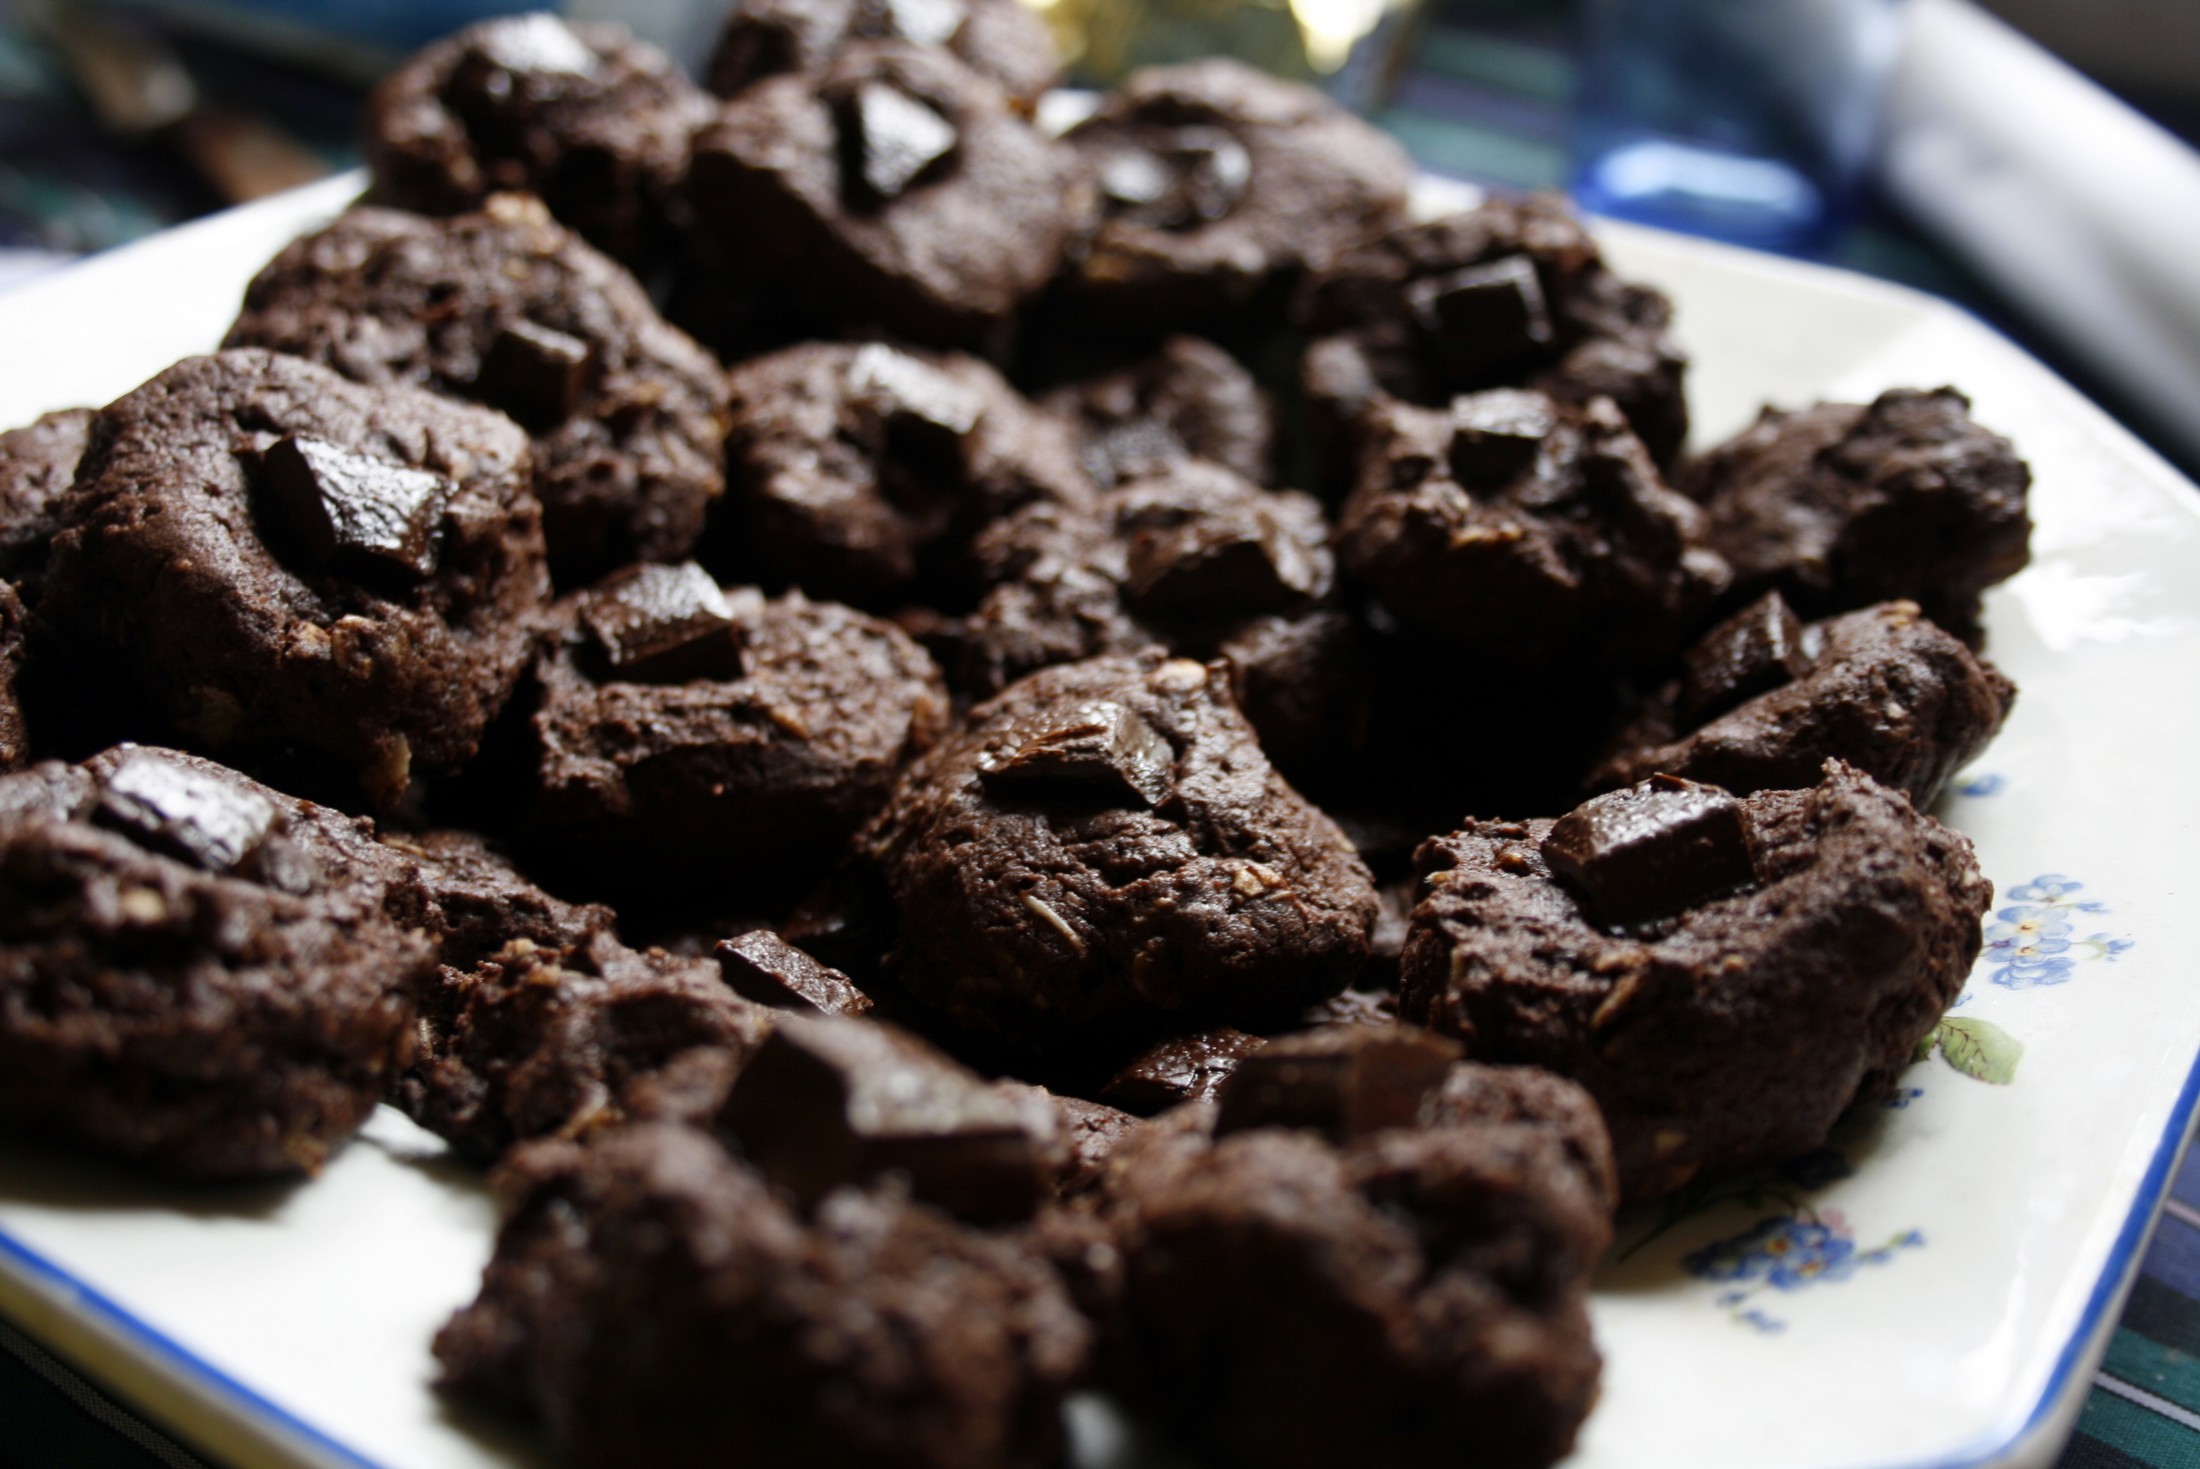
(2032, 942)
(1787, 1253)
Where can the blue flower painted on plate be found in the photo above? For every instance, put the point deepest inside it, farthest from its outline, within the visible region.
(1982, 785)
(2032, 943)
(1787, 1252)
(1903, 1096)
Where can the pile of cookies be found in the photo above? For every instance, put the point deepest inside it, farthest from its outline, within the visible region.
(978, 760)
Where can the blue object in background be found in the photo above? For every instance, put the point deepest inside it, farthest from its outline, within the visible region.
(1745, 120)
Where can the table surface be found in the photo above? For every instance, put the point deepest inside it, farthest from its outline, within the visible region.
(1485, 99)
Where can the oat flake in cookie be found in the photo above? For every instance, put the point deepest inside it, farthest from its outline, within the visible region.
(1001, 40)
(1726, 975)
(192, 976)
(594, 122)
(895, 189)
(508, 309)
(1104, 850)
(284, 561)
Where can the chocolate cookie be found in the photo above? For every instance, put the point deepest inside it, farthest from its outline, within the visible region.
(1765, 700)
(895, 188)
(1221, 185)
(472, 901)
(37, 466)
(1377, 1263)
(190, 975)
(508, 309)
(1842, 505)
(282, 560)
(861, 473)
(652, 1300)
(1512, 294)
(1725, 975)
(1189, 400)
(15, 743)
(534, 1041)
(682, 734)
(1528, 532)
(1104, 849)
(593, 122)
(1000, 40)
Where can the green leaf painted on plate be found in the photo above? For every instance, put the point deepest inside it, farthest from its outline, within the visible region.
(1925, 1044)
(1979, 1049)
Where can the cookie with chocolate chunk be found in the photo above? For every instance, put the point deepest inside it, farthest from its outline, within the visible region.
(1841, 505)
(1103, 850)
(193, 974)
(1529, 532)
(284, 562)
(469, 898)
(1511, 294)
(1765, 700)
(1375, 1262)
(1000, 40)
(1221, 186)
(896, 189)
(681, 734)
(37, 465)
(1726, 975)
(506, 308)
(652, 1299)
(590, 120)
(1188, 400)
(862, 472)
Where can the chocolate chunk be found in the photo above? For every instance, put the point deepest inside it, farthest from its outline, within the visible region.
(1757, 650)
(926, 22)
(163, 804)
(1177, 179)
(664, 624)
(829, 1101)
(1652, 850)
(1484, 316)
(764, 967)
(535, 45)
(338, 503)
(1497, 435)
(1189, 1068)
(1242, 564)
(889, 140)
(536, 374)
(1345, 1081)
(926, 413)
(1103, 747)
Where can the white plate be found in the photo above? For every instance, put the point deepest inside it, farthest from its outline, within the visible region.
(1942, 1305)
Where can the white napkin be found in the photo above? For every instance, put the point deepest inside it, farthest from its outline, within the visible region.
(2081, 211)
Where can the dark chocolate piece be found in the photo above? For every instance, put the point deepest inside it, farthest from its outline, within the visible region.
(1344, 1081)
(663, 624)
(1249, 564)
(1753, 652)
(1496, 436)
(890, 140)
(1652, 850)
(1175, 178)
(1103, 747)
(337, 503)
(179, 808)
(764, 967)
(536, 373)
(1189, 1068)
(1483, 317)
(539, 44)
(828, 1101)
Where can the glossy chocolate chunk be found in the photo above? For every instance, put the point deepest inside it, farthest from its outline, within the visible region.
(1652, 850)
(1215, 565)
(1102, 749)
(889, 140)
(764, 967)
(535, 45)
(1189, 1068)
(828, 1101)
(1757, 650)
(926, 413)
(663, 624)
(535, 374)
(926, 22)
(339, 504)
(1176, 179)
(212, 823)
(1484, 316)
(1345, 1081)
(1497, 435)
